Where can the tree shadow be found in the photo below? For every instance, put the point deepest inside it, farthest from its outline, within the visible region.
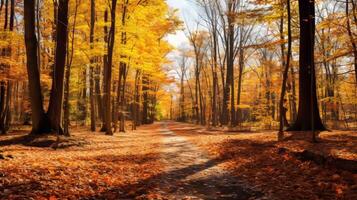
(43, 141)
(173, 182)
(287, 176)
(189, 129)
(139, 159)
(327, 145)
(26, 189)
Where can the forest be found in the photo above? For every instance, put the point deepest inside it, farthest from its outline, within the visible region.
(178, 99)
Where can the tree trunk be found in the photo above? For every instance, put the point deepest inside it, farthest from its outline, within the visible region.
(136, 107)
(350, 35)
(100, 98)
(38, 28)
(5, 111)
(282, 109)
(308, 113)
(108, 71)
(5, 116)
(2, 103)
(293, 95)
(202, 111)
(145, 83)
(224, 108)
(66, 105)
(56, 98)
(91, 81)
(214, 82)
(123, 71)
(66, 102)
(197, 81)
(40, 121)
(226, 81)
(240, 80)
(182, 99)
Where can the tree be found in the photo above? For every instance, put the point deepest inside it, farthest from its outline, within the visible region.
(197, 40)
(182, 74)
(211, 13)
(282, 115)
(108, 71)
(46, 122)
(123, 71)
(69, 60)
(91, 78)
(40, 121)
(308, 117)
(350, 33)
(56, 98)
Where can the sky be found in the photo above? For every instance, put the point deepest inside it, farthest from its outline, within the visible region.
(188, 14)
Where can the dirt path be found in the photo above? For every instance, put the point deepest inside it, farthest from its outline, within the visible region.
(191, 174)
(150, 163)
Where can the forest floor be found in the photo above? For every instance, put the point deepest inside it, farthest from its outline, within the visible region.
(170, 160)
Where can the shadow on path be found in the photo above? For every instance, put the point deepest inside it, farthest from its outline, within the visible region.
(188, 174)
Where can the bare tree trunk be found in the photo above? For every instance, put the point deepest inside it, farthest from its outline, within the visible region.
(240, 80)
(183, 69)
(66, 120)
(5, 111)
(91, 81)
(145, 84)
(293, 95)
(350, 35)
(214, 81)
(40, 122)
(100, 98)
(38, 17)
(6, 114)
(197, 80)
(136, 107)
(66, 104)
(108, 71)
(122, 105)
(56, 98)
(308, 114)
(3, 83)
(282, 109)
(231, 72)
(226, 91)
(123, 69)
(202, 111)
(182, 100)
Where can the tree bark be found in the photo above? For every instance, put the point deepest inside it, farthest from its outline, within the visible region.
(91, 87)
(282, 115)
(108, 71)
(145, 91)
(56, 97)
(308, 113)
(66, 105)
(240, 79)
(123, 70)
(230, 69)
(5, 110)
(100, 97)
(350, 35)
(40, 122)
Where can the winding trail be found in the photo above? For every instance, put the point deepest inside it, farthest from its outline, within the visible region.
(191, 174)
